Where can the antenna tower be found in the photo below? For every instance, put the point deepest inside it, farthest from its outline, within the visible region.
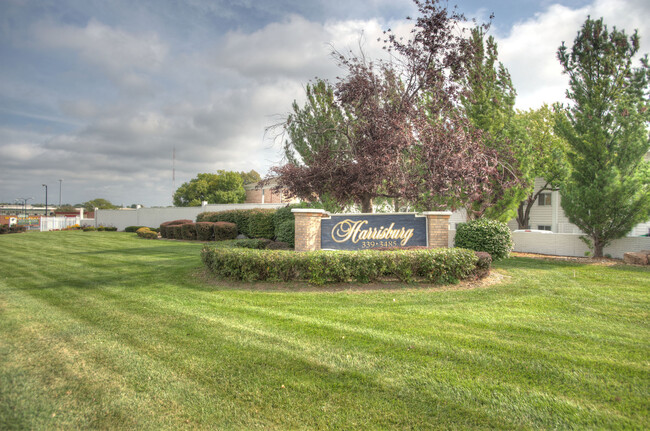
(173, 172)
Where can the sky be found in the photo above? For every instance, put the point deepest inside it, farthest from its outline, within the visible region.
(99, 93)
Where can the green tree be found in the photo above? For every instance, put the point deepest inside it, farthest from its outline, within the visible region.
(224, 187)
(250, 177)
(66, 207)
(488, 102)
(606, 126)
(546, 157)
(98, 203)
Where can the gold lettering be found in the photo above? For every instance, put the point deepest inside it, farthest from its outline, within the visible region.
(349, 230)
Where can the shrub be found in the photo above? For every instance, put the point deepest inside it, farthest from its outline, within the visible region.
(89, 229)
(277, 245)
(224, 230)
(110, 228)
(284, 221)
(188, 231)
(6, 229)
(100, 228)
(150, 235)
(205, 231)
(255, 223)
(485, 235)
(175, 231)
(431, 265)
(483, 264)
(132, 228)
(145, 232)
(165, 232)
(286, 232)
(257, 243)
(238, 217)
(260, 224)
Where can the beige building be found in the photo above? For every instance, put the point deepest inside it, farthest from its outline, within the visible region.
(257, 193)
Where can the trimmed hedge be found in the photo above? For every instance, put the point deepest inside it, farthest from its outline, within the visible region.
(485, 235)
(175, 231)
(286, 232)
(6, 229)
(284, 221)
(224, 230)
(320, 267)
(258, 243)
(204, 231)
(238, 217)
(277, 245)
(188, 231)
(165, 230)
(132, 229)
(260, 224)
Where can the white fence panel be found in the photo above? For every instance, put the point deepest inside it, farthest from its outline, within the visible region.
(566, 244)
(153, 217)
(58, 223)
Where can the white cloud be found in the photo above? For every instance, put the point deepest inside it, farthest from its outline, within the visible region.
(529, 51)
(124, 57)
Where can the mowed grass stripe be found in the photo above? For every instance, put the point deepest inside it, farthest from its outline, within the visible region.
(428, 358)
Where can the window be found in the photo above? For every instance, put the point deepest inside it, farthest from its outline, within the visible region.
(544, 199)
(543, 227)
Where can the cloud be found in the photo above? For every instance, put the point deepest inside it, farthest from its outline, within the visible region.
(125, 57)
(529, 50)
(123, 96)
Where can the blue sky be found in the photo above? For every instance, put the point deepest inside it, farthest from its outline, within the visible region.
(98, 93)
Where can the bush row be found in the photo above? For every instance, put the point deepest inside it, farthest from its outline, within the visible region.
(99, 228)
(261, 244)
(5, 228)
(254, 223)
(261, 223)
(201, 231)
(135, 228)
(431, 265)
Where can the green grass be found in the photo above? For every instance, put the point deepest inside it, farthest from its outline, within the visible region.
(106, 330)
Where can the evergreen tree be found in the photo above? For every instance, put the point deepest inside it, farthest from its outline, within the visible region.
(489, 102)
(606, 127)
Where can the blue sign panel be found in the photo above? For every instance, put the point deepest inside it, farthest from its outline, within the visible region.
(366, 231)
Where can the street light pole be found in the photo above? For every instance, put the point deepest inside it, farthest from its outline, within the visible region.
(60, 181)
(45, 185)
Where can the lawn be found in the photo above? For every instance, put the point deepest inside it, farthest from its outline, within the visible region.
(106, 330)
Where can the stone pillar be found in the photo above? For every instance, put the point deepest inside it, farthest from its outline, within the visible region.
(437, 228)
(308, 228)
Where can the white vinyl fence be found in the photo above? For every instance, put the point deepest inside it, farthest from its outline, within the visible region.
(58, 223)
(567, 244)
(153, 217)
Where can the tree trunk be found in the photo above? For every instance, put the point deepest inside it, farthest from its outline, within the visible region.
(396, 204)
(598, 247)
(366, 204)
(523, 213)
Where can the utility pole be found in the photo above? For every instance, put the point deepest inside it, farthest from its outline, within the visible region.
(45, 185)
(173, 173)
(60, 181)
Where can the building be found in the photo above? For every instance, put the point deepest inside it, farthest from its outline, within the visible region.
(262, 193)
